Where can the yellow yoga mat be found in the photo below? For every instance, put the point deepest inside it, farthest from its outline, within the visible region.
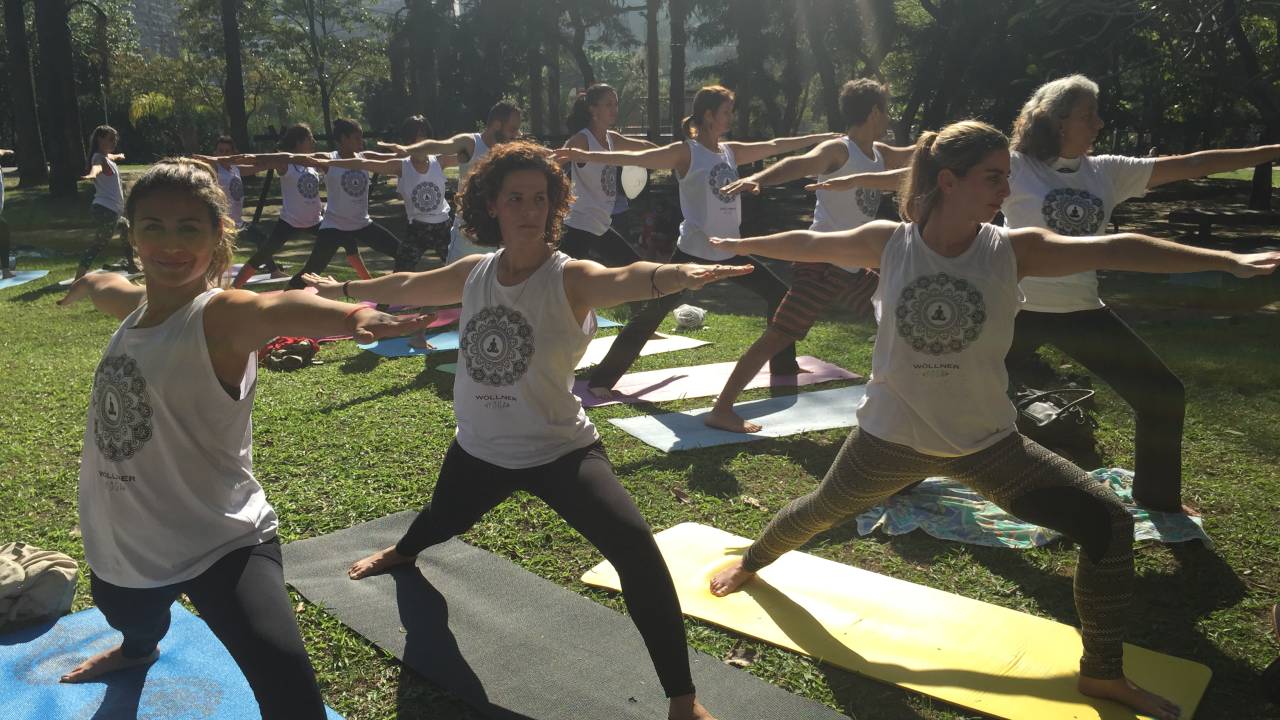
(990, 659)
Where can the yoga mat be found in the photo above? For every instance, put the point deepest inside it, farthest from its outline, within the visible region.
(21, 277)
(511, 644)
(950, 510)
(996, 661)
(400, 347)
(258, 279)
(126, 274)
(195, 677)
(659, 343)
(780, 416)
(705, 381)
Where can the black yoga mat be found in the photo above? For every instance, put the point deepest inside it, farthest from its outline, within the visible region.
(508, 642)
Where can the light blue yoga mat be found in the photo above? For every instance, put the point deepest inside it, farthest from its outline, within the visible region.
(400, 347)
(780, 416)
(949, 510)
(194, 678)
(21, 277)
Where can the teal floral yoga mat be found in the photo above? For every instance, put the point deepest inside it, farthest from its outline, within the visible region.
(949, 510)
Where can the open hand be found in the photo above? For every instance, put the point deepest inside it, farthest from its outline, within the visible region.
(325, 285)
(740, 186)
(375, 325)
(1254, 264)
(696, 276)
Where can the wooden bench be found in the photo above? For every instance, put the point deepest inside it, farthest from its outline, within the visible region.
(1204, 220)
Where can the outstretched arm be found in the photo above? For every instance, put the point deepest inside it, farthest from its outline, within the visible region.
(860, 247)
(1207, 162)
(822, 159)
(110, 293)
(895, 157)
(748, 152)
(1042, 253)
(460, 143)
(588, 284)
(623, 142)
(391, 166)
(668, 157)
(442, 286)
(887, 180)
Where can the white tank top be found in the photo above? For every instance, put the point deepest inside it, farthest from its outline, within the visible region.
(300, 193)
(423, 193)
(166, 476)
(518, 346)
(938, 382)
(348, 195)
(107, 189)
(460, 244)
(595, 190)
(847, 209)
(233, 187)
(707, 212)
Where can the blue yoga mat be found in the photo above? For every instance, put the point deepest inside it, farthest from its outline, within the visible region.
(780, 416)
(400, 347)
(22, 276)
(194, 678)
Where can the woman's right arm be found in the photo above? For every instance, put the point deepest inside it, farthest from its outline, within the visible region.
(461, 143)
(111, 294)
(860, 247)
(430, 288)
(667, 157)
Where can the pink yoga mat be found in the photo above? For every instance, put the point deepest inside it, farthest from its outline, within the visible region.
(705, 381)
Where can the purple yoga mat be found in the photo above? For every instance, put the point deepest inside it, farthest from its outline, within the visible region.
(706, 381)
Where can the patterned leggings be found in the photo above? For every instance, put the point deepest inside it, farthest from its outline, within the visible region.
(106, 223)
(1021, 477)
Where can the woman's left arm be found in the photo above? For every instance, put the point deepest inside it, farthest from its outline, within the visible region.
(1042, 253)
(1207, 162)
(589, 284)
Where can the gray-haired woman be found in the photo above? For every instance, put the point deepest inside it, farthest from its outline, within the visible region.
(1057, 184)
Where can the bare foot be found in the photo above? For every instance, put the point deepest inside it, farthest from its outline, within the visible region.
(601, 393)
(730, 579)
(1123, 691)
(8, 274)
(277, 274)
(419, 340)
(687, 707)
(107, 662)
(381, 561)
(729, 420)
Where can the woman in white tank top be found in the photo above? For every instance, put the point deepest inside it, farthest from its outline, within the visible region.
(176, 383)
(301, 208)
(589, 226)
(527, 316)
(703, 164)
(231, 178)
(936, 402)
(108, 198)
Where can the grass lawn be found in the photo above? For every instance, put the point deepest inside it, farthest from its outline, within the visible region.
(361, 437)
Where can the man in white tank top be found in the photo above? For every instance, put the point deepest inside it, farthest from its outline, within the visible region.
(817, 286)
(501, 125)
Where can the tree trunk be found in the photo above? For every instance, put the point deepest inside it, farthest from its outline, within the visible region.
(578, 48)
(233, 91)
(536, 91)
(791, 82)
(1260, 97)
(679, 12)
(551, 42)
(654, 114)
(817, 19)
(322, 76)
(26, 123)
(62, 113)
(422, 58)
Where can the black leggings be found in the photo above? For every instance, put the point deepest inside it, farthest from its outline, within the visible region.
(106, 224)
(608, 247)
(762, 281)
(1107, 347)
(251, 233)
(583, 489)
(242, 599)
(330, 239)
(280, 234)
(4, 244)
